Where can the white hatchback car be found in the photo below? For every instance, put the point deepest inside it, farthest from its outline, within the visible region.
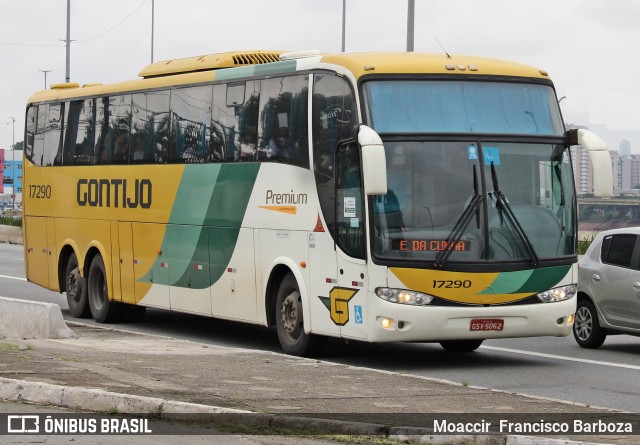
(609, 287)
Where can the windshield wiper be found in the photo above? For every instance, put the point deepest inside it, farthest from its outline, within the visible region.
(463, 222)
(503, 208)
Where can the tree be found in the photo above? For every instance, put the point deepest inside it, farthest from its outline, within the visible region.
(18, 145)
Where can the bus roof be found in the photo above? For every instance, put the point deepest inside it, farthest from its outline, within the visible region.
(361, 64)
(240, 64)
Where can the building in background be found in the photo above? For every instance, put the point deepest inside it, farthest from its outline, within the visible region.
(624, 165)
(12, 174)
(625, 148)
(1, 171)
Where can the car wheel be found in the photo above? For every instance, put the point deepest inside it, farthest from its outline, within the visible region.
(586, 328)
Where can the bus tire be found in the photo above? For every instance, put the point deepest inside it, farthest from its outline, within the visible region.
(289, 322)
(102, 310)
(461, 345)
(76, 289)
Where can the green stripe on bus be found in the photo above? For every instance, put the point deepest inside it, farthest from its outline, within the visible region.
(201, 238)
(527, 281)
(288, 66)
(544, 279)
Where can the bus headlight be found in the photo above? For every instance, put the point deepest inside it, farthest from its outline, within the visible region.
(404, 296)
(558, 294)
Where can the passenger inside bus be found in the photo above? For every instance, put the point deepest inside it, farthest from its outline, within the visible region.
(278, 144)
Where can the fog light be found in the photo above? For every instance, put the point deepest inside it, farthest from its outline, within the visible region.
(386, 323)
(570, 319)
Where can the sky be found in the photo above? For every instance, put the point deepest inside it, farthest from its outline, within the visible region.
(589, 47)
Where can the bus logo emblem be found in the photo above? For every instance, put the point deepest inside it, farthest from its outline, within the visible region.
(338, 304)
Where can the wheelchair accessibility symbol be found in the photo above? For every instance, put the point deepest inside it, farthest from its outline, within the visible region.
(358, 314)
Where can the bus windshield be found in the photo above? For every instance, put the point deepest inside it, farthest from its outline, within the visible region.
(479, 201)
(443, 106)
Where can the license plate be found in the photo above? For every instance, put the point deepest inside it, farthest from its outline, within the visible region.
(486, 324)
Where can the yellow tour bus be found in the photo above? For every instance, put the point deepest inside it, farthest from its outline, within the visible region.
(369, 196)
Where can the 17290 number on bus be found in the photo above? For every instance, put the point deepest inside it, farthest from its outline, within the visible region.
(40, 191)
(451, 284)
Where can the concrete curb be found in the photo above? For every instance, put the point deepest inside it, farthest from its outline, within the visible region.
(23, 319)
(98, 400)
(11, 234)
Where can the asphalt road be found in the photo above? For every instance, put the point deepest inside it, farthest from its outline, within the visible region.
(547, 367)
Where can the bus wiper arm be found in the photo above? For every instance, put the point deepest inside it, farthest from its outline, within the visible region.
(504, 209)
(461, 225)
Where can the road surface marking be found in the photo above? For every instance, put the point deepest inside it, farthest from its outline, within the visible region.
(560, 357)
(13, 278)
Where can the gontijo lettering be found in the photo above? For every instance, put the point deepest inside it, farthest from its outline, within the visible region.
(117, 193)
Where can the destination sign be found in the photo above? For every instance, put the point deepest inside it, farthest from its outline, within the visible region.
(429, 245)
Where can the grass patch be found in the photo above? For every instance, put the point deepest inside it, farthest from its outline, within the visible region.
(9, 347)
(12, 347)
(583, 244)
(15, 221)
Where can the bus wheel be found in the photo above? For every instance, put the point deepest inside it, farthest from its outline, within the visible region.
(76, 289)
(461, 345)
(289, 322)
(102, 310)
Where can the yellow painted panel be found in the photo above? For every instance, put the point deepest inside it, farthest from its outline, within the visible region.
(52, 257)
(125, 248)
(147, 247)
(115, 261)
(36, 250)
(143, 193)
(463, 287)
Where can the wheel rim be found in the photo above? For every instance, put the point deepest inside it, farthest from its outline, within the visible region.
(291, 315)
(584, 324)
(72, 285)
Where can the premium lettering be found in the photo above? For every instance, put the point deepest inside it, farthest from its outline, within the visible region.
(116, 193)
(286, 198)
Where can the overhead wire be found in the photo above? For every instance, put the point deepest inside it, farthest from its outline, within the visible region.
(79, 41)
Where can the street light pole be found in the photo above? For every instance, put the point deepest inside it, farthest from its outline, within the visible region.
(68, 40)
(45, 77)
(410, 24)
(344, 17)
(153, 6)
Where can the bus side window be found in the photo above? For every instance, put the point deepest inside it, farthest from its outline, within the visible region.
(283, 132)
(349, 202)
(333, 116)
(247, 116)
(119, 128)
(102, 133)
(224, 122)
(52, 154)
(37, 156)
(30, 129)
(78, 133)
(191, 117)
